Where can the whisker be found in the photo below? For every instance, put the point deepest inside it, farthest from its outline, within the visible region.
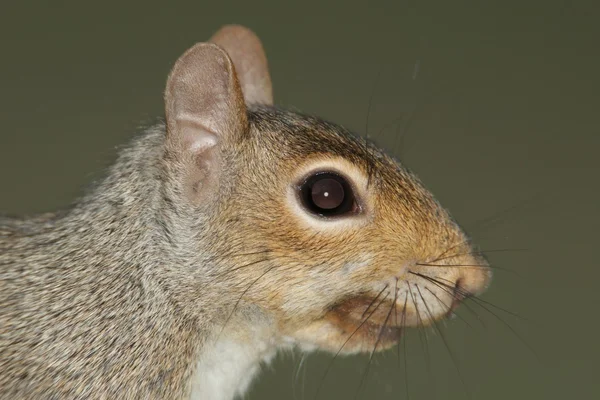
(479, 252)
(488, 222)
(422, 332)
(402, 336)
(451, 293)
(370, 166)
(344, 344)
(249, 264)
(389, 124)
(448, 307)
(373, 301)
(449, 249)
(240, 299)
(404, 345)
(229, 254)
(396, 309)
(479, 302)
(453, 265)
(469, 296)
(299, 370)
(366, 372)
(422, 335)
(513, 330)
(469, 266)
(403, 134)
(450, 353)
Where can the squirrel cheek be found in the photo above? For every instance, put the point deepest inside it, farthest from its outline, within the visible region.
(353, 266)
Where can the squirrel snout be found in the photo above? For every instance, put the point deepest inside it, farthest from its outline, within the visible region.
(473, 278)
(444, 286)
(469, 284)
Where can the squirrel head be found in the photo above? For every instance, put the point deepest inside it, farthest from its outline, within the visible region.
(337, 242)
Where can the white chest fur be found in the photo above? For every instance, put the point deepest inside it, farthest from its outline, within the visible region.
(233, 358)
(227, 369)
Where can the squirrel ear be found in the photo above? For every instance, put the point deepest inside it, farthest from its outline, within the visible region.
(203, 99)
(248, 56)
(204, 106)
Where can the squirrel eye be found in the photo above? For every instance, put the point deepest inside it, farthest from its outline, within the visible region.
(327, 194)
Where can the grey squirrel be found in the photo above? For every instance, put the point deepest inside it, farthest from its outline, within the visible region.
(232, 230)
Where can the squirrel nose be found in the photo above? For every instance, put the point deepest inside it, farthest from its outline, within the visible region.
(470, 282)
(473, 278)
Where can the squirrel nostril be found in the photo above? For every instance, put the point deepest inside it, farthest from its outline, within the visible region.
(458, 295)
(457, 285)
(460, 292)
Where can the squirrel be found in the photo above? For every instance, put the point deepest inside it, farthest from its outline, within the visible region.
(229, 231)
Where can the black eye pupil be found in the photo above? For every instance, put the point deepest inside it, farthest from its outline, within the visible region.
(327, 194)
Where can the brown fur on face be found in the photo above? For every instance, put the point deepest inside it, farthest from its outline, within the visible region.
(318, 280)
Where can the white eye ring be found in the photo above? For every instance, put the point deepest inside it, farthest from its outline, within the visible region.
(354, 213)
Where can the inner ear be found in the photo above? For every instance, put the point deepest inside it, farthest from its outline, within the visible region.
(205, 111)
(247, 53)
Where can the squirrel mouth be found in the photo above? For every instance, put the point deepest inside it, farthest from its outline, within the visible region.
(367, 323)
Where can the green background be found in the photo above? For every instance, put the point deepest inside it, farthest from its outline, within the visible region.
(504, 107)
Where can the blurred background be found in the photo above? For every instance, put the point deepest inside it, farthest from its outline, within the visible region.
(493, 104)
